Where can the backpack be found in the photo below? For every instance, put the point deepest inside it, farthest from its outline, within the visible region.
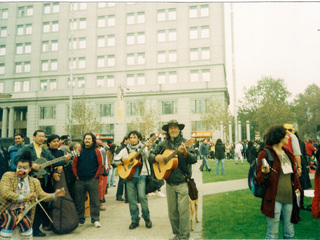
(256, 189)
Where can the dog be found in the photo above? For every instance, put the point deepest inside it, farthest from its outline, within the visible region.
(193, 210)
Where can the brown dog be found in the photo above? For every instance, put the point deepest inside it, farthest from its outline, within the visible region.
(193, 209)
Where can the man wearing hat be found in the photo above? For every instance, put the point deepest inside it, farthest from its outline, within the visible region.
(293, 146)
(177, 188)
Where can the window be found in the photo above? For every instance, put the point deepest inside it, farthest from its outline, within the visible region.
(161, 56)
(28, 29)
(130, 38)
(111, 21)
(141, 17)
(46, 27)
(193, 12)
(172, 56)
(130, 18)
(173, 77)
(101, 21)
(82, 23)
(141, 58)
(141, 38)
(106, 110)
(169, 107)
(193, 33)
(21, 86)
(48, 112)
(54, 45)
(198, 126)
(199, 106)
(45, 46)
(20, 29)
(25, 86)
(44, 85)
(82, 43)
(27, 48)
(83, 6)
(194, 54)
(161, 78)
(101, 4)
(54, 65)
(25, 11)
(46, 8)
(2, 50)
(23, 67)
(205, 53)
(81, 82)
(55, 26)
(132, 109)
(1, 87)
(29, 10)
(100, 81)
(172, 15)
(53, 84)
(55, 7)
(111, 40)
(3, 31)
(17, 86)
(130, 59)
(141, 79)
(20, 11)
(111, 61)
(82, 62)
(2, 68)
(4, 13)
(27, 66)
(172, 35)
(205, 32)
(101, 41)
(194, 76)
(161, 15)
(100, 61)
(45, 65)
(110, 81)
(107, 129)
(48, 130)
(161, 36)
(130, 80)
(204, 10)
(18, 67)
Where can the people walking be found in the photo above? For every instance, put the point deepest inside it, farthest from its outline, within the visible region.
(204, 152)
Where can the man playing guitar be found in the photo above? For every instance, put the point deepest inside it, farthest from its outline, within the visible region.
(136, 185)
(176, 188)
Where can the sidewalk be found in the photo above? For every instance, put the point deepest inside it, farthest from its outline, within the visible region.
(115, 220)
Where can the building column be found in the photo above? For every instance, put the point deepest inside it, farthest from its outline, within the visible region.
(221, 131)
(4, 122)
(239, 131)
(230, 133)
(11, 122)
(248, 130)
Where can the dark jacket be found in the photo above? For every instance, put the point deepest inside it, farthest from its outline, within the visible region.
(268, 202)
(219, 150)
(204, 149)
(4, 161)
(176, 176)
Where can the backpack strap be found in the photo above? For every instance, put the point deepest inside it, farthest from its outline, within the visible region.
(270, 157)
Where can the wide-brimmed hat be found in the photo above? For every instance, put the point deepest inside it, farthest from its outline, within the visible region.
(172, 122)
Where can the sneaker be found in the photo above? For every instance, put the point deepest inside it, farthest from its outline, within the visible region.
(148, 223)
(97, 224)
(160, 194)
(133, 225)
(102, 208)
(151, 194)
(174, 238)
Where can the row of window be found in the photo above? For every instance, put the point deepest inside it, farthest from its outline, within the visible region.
(139, 79)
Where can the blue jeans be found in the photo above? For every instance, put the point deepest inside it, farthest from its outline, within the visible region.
(205, 163)
(284, 210)
(222, 166)
(137, 187)
(112, 172)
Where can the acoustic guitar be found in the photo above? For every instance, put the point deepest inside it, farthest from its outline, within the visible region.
(127, 169)
(45, 163)
(163, 170)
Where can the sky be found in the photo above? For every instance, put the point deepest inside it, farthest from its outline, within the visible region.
(278, 40)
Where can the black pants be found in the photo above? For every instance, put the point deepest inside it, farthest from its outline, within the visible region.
(121, 186)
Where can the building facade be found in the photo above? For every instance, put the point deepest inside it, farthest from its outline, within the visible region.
(171, 54)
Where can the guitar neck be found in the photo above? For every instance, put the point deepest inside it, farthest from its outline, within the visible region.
(48, 163)
(138, 153)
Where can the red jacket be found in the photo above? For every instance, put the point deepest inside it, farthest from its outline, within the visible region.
(268, 202)
(316, 199)
(310, 148)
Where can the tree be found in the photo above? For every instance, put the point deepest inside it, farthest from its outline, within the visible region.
(145, 120)
(307, 111)
(84, 119)
(266, 104)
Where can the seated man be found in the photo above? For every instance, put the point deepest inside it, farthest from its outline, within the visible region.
(17, 191)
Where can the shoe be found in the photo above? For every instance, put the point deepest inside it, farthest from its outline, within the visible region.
(103, 200)
(81, 222)
(47, 228)
(133, 225)
(38, 233)
(120, 199)
(97, 224)
(160, 194)
(148, 223)
(151, 194)
(174, 238)
(102, 208)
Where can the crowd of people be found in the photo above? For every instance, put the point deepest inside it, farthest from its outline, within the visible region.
(86, 170)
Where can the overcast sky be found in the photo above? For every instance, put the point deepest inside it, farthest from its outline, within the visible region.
(281, 40)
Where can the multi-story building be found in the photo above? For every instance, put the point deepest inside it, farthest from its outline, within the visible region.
(172, 54)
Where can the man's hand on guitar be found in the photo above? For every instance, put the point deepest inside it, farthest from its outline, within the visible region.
(124, 159)
(148, 145)
(182, 149)
(159, 158)
(67, 158)
(31, 196)
(36, 167)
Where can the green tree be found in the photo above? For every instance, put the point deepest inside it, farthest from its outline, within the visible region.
(266, 104)
(145, 119)
(307, 111)
(84, 118)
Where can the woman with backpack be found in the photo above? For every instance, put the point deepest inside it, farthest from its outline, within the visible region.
(282, 197)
